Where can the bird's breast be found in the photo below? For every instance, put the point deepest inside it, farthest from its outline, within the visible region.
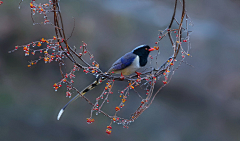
(131, 68)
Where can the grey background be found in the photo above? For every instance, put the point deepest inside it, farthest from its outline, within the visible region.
(200, 103)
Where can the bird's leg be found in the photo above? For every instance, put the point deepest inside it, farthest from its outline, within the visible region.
(122, 76)
(138, 73)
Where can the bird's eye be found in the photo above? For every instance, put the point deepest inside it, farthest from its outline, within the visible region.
(146, 49)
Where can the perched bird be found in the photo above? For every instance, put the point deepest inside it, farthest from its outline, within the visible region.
(126, 65)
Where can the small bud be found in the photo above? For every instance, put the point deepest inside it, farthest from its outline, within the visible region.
(90, 120)
(39, 44)
(68, 94)
(156, 47)
(109, 127)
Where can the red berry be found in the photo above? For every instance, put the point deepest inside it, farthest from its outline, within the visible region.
(117, 109)
(108, 131)
(164, 82)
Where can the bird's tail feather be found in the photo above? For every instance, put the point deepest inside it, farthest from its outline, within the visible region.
(84, 91)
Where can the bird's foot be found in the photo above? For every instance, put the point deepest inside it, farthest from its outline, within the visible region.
(138, 73)
(122, 77)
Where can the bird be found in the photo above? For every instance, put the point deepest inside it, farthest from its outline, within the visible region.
(125, 65)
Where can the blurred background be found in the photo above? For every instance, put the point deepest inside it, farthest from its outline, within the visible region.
(201, 103)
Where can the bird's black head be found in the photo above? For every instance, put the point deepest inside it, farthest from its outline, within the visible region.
(143, 51)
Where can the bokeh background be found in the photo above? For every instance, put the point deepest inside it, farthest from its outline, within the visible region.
(202, 103)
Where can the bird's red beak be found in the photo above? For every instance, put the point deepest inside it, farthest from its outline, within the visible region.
(151, 49)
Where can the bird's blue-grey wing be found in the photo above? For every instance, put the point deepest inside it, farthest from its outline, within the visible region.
(123, 62)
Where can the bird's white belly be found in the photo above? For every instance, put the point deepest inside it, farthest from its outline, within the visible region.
(130, 69)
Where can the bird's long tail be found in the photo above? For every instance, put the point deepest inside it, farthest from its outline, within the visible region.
(84, 91)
